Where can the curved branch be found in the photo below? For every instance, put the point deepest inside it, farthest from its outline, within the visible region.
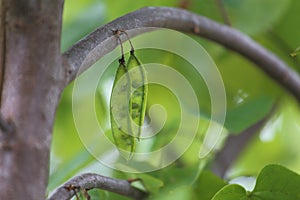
(90, 181)
(100, 42)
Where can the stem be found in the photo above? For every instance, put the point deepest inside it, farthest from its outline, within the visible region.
(122, 59)
(131, 46)
(223, 11)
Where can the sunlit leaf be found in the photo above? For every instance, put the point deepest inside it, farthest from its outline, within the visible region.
(277, 182)
(207, 185)
(231, 192)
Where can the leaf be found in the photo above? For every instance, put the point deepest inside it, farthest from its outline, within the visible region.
(148, 183)
(181, 192)
(285, 29)
(114, 9)
(207, 185)
(119, 113)
(274, 182)
(231, 192)
(250, 16)
(277, 182)
(138, 100)
(248, 113)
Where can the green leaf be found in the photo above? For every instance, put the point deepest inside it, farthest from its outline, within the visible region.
(138, 99)
(207, 185)
(182, 192)
(274, 182)
(119, 113)
(248, 113)
(250, 15)
(277, 182)
(148, 183)
(231, 192)
(115, 8)
(285, 29)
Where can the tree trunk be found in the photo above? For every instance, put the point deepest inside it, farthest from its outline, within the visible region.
(31, 82)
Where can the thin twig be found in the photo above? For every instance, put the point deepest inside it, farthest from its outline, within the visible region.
(131, 46)
(100, 42)
(283, 46)
(90, 181)
(122, 59)
(184, 4)
(223, 12)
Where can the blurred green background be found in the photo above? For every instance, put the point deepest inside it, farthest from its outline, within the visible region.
(250, 97)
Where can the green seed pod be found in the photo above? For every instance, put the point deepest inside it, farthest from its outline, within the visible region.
(120, 110)
(139, 87)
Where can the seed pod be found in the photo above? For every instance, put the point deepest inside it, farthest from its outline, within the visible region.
(139, 87)
(120, 110)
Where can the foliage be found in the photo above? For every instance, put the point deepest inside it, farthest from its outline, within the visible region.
(274, 182)
(251, 96)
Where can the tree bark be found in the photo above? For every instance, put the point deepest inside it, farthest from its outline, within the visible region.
(32, 79)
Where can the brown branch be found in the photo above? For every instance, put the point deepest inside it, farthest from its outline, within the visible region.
(100, 42)
(90, 181)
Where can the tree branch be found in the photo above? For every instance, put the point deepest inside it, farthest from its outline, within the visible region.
(235, 144)
(90, 181)
(100, 42)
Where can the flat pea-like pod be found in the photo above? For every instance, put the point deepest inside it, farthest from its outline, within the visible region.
(120, 110)
(139, 87)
